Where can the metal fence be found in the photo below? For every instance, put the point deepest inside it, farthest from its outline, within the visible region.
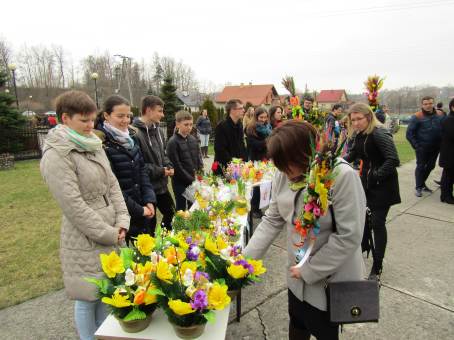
(31, 139)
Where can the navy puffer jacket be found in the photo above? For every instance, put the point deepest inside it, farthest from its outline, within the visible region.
(424, 130)
(132, 175)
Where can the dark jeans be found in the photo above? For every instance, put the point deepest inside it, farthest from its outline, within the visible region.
(178, 189)
(447, 181)
(165, 204)
(378, 225)
(305, 320)
(425, 163)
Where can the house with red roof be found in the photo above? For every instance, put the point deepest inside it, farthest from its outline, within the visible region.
(257, 95)
(327, 98)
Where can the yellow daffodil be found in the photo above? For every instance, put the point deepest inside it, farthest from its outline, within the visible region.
(182, 241)
(180, 308)
(143, 273)
(117, 300)
(163, 272)
(237, 271)
(323, 195)
(145, 244)
(112, 264)
(188, 265)
(217, 297)
(150, 298)
(211, 246)
(220, 243)
(258, 267)
(171, 255)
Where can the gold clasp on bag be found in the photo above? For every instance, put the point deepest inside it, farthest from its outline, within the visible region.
(355, 311)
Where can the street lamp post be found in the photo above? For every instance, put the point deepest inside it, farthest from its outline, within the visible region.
(12, 68)
(95, 76)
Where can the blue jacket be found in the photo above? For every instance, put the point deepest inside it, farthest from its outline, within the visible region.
(424, 131)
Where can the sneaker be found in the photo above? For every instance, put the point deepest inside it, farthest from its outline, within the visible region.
(418, 193)
(426, 189)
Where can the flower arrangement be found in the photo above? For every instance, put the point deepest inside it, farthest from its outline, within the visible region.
(225, 262)
(186, 292)
(373, 85)
(127, 288)
(316, 187)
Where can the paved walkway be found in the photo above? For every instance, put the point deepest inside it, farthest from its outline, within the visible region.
(417, 297)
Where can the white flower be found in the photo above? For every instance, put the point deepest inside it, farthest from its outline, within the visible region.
(195, 250)
(130, 278)
(154, 257)
(225, 253)
(188, 277)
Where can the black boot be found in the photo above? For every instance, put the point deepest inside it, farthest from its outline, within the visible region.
(375, 272)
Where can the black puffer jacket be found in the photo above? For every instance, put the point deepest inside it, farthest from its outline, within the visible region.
(185, 156)
(256, 146)
(132, 175)
(152, 145)
(379, 161)
(447, 142)
(229, 142)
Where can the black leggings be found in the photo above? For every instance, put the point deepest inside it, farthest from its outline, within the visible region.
(305, 320)
(165, 204)
(378, 225)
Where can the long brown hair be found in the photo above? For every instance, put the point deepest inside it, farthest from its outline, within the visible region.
(251, 127)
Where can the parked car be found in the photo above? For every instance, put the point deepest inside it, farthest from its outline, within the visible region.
(28, 113)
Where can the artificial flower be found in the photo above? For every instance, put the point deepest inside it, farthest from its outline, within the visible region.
(117, 300)
(143, 273)
(188, 277)
(150, 298)
(237, 271)
(163, 272)
(180, 308)
(258, 267)
(217, 297)
(145, 244)
(112, 264)
(188, 265)
(174, 255)
(129, 277)
(139, 296)
(199, 300)
(211, 245)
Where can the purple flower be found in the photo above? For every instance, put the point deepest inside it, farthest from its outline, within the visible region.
(198, 275)
(236, 251)
(245, 265)
(200, 300)
(188, 239)
(193, 252)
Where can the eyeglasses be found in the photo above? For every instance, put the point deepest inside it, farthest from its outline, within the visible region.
(240, 108)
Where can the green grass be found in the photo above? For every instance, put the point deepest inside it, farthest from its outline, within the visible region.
(30, 225)
(404, 149)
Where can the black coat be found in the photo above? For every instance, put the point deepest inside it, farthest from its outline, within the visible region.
(152, 144)
(229, 142)
(132, 175)
(185, 156)
(203, 125)
(378, 174)
(446, 159)
(256, 146)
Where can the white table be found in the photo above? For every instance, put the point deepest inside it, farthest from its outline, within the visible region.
(161, 329)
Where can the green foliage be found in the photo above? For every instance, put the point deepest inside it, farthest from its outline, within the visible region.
(196, 220)
(135, 111)
(11, 121)
(126, 254)
(104, 285)
(169, 96)
(135, 314)
(210, 316)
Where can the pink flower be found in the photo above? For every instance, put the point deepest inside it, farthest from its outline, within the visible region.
(316, 211)
(308, 206)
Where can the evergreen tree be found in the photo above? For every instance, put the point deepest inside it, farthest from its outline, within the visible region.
(11, 121)
(171, 102)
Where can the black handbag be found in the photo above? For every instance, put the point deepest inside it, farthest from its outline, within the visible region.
(352, 301)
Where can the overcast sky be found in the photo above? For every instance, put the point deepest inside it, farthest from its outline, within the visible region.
(324, 44)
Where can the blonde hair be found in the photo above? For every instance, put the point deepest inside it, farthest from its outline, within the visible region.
(367, 112)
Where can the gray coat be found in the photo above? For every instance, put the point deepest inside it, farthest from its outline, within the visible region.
(93, 210)
(335, 255)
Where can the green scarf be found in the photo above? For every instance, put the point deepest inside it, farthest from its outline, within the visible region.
(89, 143)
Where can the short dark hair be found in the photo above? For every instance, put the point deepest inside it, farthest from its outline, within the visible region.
(439, 105)
(183, 115)
(291, 144)
(451, 105)
(232, 104)
(150, 102)
(336, 107)
(427, 98)
(74, 102)
(308, 98)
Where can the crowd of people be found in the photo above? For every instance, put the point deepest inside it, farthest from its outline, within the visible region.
(109, 173)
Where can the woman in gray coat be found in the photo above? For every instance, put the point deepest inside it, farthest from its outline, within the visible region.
(336, 255)
(95, 217)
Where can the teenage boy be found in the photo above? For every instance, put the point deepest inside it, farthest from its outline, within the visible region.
(152, 144)
(184, 152)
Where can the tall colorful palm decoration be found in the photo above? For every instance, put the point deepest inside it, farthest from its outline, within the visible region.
(373, 85)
